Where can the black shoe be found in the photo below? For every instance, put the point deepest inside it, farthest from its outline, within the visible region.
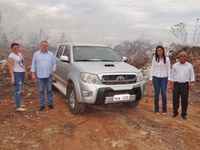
(174, 115)
(184, 117)
(41, 108)
(50, 106)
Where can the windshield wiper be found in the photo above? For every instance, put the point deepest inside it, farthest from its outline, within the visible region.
(95, 60)
(106, 60)
(87, 60)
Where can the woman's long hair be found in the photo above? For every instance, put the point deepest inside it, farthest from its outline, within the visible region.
(156, 54)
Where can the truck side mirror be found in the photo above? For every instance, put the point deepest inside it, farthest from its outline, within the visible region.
(64, 58)
(124, 59)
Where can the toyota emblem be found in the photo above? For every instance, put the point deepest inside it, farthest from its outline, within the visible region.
(120, 78)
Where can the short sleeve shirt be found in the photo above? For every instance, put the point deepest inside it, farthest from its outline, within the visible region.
(18, 65)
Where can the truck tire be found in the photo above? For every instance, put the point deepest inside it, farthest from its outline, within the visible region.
(75, 107)
(131, 104)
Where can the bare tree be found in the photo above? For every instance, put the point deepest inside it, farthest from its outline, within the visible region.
(180, 32)
(4, 39)
(196, 35)
(62, 38)
(34, 38)
(7, 37)
(43, 34)
(3, 35)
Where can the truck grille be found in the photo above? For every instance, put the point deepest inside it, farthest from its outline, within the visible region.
(118, 79)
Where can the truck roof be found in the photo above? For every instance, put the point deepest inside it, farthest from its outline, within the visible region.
(84, 44)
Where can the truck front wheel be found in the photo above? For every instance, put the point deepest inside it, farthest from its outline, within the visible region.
(74, 106)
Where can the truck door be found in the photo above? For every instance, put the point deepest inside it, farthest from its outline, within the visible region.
(58, 62)
(66, 66)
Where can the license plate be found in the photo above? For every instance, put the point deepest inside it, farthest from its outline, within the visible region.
(121, 97)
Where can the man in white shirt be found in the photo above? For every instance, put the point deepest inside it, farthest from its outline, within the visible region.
(182, 80)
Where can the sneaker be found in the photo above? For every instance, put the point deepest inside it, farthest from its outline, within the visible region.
(164, 113)
(22, 105)
(157, 113)
(21, 109)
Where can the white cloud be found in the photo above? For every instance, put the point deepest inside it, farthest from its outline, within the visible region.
(100, 20)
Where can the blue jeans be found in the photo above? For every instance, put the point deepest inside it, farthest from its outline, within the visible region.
(45, 83)
(160, 84)
(18, 87)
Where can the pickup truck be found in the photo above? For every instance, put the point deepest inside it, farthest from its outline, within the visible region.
(95, 74)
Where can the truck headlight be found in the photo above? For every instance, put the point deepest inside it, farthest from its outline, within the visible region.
(90, 78)
(140, 77)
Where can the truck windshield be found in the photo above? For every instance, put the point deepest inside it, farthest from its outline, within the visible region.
(95, 53)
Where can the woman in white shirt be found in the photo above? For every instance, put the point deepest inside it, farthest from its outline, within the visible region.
(17, 72)
(160, 78)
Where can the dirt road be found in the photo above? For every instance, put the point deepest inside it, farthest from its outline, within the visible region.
(109, 127)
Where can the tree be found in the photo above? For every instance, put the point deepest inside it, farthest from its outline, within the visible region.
(3, 35)
(196, 35)
(181, 33)
(9, 36)
(34, 38)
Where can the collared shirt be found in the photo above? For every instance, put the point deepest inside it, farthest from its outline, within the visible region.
(18, 65)
(159, 69)
(182, 72)
(43, 64)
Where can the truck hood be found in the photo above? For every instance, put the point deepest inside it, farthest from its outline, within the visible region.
(106, 67)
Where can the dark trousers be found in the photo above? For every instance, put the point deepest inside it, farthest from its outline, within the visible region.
(180, 90)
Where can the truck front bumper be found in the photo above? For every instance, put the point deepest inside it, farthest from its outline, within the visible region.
(107, 94)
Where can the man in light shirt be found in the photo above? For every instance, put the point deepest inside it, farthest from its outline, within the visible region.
(182, 81)
(43, 68)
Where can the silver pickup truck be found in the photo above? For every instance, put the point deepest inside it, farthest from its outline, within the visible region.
(95, 74)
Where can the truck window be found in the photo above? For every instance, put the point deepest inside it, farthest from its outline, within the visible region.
(67, 52)
(60, 51)
(88, 53)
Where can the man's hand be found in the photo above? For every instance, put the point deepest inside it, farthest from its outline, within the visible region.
(34, 77)
(171, 85)
(52, 73)
(150, 82)
(191, 86)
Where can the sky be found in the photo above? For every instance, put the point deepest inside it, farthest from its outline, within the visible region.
(100, 21)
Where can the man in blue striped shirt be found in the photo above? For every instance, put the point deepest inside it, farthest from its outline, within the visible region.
(43, 68)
